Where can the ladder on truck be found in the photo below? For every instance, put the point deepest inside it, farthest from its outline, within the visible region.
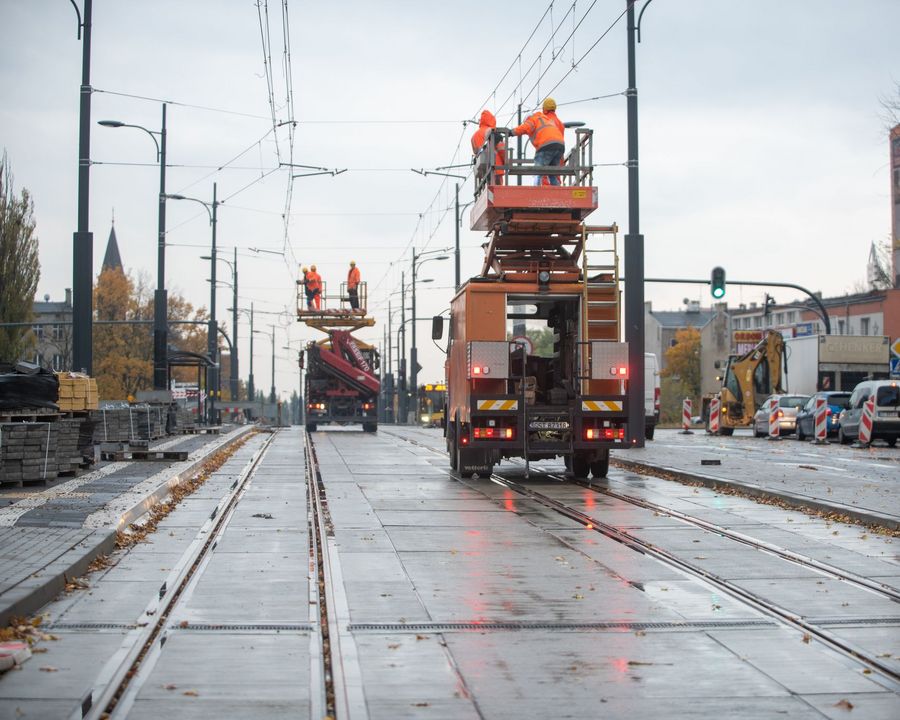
(601, 299)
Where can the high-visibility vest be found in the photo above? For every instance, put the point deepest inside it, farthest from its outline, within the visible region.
(353, 278)
(313, 281)
(542, 128)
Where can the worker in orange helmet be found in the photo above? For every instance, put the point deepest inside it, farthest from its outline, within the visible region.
(353, 285)
(314, 286)
(548, 137)
(486, 123)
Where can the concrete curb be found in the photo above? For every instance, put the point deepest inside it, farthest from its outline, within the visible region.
(43, 586)
(865, 517)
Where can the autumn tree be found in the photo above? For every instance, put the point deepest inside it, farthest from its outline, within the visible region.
(20, 267)
(683, 361)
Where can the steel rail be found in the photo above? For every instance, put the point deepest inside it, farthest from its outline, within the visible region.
(752, 599)
(803, 560)
(120, 679)
(343, 678)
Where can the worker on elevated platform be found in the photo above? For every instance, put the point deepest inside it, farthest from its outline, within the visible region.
(314, 287)
(304, 271)
(486, 123)
(353, 279)
(547, 134)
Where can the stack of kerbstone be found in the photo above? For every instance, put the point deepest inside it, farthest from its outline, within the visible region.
(139, 422)
(28, 452)
(77, 392)
(185, 418)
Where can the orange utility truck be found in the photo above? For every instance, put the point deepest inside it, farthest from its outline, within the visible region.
(342, 384)
(559, 388)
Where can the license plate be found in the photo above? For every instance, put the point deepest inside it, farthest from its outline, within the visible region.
(887, 414)
(548, 425)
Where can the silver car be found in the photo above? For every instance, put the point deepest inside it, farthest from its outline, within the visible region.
(787, 406)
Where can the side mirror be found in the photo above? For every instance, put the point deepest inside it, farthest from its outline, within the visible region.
(437, 327)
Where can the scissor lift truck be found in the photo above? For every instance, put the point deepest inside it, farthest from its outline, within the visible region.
(505, 398)
(342, 384)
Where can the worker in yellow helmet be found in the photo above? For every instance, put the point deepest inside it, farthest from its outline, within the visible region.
(547, 134)
(302, 281)
(353, 285)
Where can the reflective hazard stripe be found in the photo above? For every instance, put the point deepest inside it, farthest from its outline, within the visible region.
(497, 404)
(601, 406)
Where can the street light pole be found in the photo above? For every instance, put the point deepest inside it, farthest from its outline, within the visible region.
(83, 239)
(404, 399)
(160, 297)
(272, 394)
(234, 330)
(212, 340)
(251, 388)
(417, 262)
(456, 255)
(634, 258)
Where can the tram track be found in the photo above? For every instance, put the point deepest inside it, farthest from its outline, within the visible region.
(788, 618)
(871, 662)
(120, 680)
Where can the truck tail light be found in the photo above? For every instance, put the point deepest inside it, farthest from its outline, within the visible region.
(368, 406)
(493, 433)
(656, 398)
(620, 371)
(480, 370)
(604, 433)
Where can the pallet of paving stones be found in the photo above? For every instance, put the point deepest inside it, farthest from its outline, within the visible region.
(29, 415)
(202, 430)
(139, 422)
(28, 453)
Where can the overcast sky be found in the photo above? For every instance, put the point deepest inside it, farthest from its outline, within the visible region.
(762, 147)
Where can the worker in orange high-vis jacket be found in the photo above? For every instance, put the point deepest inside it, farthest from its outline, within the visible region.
(486, 123)
(314, 286)
(547, 134)
(353, 285)
(304, 271)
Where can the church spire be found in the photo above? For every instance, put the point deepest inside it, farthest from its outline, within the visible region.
(112, 259)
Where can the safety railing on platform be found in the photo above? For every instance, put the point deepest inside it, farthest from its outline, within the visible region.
(497, 162)
(323, 304)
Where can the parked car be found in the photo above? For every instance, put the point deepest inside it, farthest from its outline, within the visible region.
(788, 407)
(886, 423)
(835, 402)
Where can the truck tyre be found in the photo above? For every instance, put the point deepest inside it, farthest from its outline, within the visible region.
(581, 466)
(600, 466)
(648, 431)
(311, 427)
(370, 427)
(452, 448)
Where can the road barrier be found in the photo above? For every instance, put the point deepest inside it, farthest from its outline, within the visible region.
(686, 417)
(774, 423)
(865, 422)
(715, 420)
(821, 421)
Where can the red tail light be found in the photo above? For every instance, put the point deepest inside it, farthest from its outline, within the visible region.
(493, 433)
(604, 433)
(656, 398)
(781, 413)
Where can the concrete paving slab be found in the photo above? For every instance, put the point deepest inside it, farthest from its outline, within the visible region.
(872, 706)
(114, 602)
(196, 708)
(825, 597)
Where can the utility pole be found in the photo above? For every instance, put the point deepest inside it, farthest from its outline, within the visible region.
(634, 258)
(404, 408)
(251, 389)
(458, 222)
(234, 330)
(272, 393)
(160, 297)
(83, 239)
(213, 340)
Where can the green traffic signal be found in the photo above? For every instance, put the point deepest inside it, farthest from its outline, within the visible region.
(717, 282)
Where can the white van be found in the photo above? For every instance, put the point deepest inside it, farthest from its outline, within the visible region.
(651, 394)
(885, 424)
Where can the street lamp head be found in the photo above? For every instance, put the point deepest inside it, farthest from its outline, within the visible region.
(426, 280)
(176, 197)
(110, 123)
(442, 257)
(206, 257)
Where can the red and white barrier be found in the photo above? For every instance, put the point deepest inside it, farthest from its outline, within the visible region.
(821, 419)
(715, 420)
(774, 422)
(686, 407)
(866, 420)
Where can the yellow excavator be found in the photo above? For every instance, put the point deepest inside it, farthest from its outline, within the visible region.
(748, 380)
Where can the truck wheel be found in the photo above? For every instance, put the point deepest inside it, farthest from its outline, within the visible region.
(581, 466)
(452, 448)
(648, 431)
(370, 427)
(600, 466)
(311, 427)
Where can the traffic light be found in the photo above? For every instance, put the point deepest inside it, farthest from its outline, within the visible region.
(717, 282)
(770, 301)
